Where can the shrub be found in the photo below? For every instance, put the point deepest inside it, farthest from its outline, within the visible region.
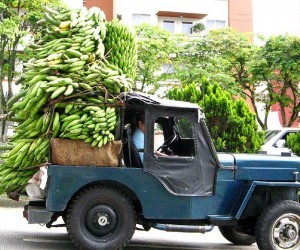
(293, 142)
(231, 122)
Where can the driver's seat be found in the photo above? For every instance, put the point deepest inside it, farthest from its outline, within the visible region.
(130, 152)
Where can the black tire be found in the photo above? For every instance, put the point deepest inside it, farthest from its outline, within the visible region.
(278, 227)
(236, 237)
(100, 218)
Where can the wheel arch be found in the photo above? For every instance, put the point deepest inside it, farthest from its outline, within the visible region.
(256, 198)
(261, 194)
(127, 191)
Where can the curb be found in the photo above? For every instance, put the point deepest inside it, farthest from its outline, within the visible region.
(6, 202)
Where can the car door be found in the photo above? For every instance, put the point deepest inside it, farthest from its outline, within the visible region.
(186, 165)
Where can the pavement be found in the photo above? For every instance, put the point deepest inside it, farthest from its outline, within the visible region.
(7, 202)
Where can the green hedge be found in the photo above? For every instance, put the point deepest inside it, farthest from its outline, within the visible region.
(293, 142)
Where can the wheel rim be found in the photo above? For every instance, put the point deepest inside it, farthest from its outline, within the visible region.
(286, 232)
(101, 220)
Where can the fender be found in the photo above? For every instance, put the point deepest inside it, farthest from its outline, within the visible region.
(248, 190)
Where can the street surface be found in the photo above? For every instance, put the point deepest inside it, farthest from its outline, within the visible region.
(16, 234)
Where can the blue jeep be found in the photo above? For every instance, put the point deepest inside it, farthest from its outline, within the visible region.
(191, 188)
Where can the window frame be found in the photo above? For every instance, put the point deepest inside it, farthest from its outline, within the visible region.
(191, 28)
(141, 18)
(169, 22)
(214, 26)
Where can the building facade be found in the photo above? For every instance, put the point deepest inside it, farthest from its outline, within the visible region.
(267, 17)
(240, 15)
(176, 18)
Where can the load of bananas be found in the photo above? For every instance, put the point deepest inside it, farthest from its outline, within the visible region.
(69, 90)
(120, 45)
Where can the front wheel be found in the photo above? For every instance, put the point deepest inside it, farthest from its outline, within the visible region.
(278, 227)
(100, 218)
(236, 237)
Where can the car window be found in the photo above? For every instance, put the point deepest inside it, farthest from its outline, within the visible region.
(270, 134)
(284, 137)
(174, 136)
(184, 127)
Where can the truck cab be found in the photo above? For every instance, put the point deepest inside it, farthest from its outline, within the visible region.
(186, 187)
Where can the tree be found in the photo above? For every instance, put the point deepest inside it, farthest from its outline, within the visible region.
(278, 67)
(225, 56)
(231, 123)
(156, 47)
(214, 56)
(238, 55)
(266, 74)
(18, 19)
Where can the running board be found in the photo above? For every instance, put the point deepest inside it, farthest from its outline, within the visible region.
(183, 228)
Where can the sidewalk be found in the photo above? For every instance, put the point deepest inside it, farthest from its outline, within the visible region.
(6, 202)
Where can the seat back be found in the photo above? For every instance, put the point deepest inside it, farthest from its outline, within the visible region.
(130, 152)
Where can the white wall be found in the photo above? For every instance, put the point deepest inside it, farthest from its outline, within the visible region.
(276, 17)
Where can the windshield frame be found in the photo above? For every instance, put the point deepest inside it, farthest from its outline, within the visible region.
(271, 134)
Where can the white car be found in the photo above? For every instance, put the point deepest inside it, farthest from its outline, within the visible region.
(275, 141)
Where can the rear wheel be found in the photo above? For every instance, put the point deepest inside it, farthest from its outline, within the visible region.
(236, 237)
(278, 227)
(100, 218)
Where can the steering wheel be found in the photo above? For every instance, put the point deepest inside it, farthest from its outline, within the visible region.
(166, 146)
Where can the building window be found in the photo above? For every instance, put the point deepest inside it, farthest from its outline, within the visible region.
(214, 24)
(169, 26)
(168, 68)
(187, 28)
(140, 18)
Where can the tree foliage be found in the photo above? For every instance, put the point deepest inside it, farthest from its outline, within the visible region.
(231, 123)
(266, 74)
(238, 53)
(156, 47)
(213, 56)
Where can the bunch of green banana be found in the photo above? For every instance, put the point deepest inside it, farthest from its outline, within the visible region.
(28, 152)
(68, 90)
(109, 76)
(91, 123)
(34, 127)
(12, 179)
(22, 162)
(85, 27)
(120, 45)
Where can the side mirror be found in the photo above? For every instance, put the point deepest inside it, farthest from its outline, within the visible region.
(280, 144)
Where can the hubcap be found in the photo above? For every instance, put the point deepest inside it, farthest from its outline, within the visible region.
(101, 220)
(286, 232)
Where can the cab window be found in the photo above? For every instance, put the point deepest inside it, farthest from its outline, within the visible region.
(174, 136)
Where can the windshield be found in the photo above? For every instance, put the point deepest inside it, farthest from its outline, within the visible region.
(270, 134)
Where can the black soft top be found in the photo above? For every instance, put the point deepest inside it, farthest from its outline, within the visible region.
(142, 99)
